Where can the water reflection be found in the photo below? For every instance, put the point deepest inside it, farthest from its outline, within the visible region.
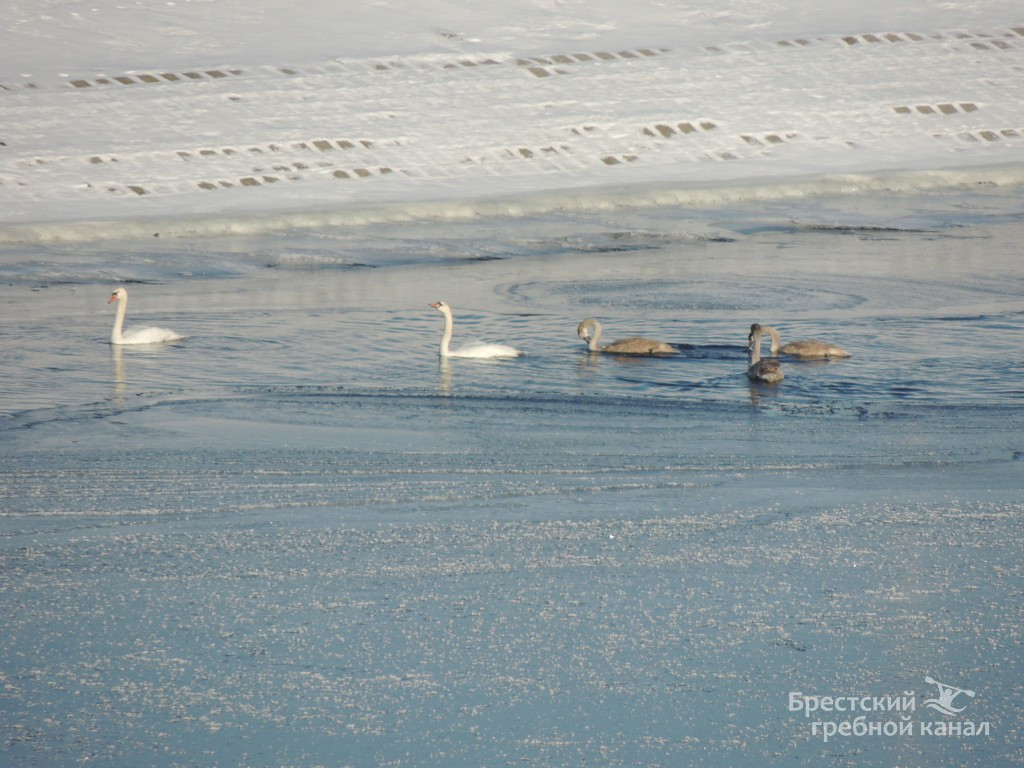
(589, 362)
(149, 364)
(117, 356)
(761, 391)
(444, 365)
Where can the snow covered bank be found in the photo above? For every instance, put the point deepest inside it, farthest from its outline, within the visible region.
(595, 198)
(429, 113)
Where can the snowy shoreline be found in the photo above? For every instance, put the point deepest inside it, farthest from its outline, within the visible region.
(582, 199)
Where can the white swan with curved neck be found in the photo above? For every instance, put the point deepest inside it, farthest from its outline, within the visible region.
(151, 335)
(590, 331)
(479, 351)
(804, 348)
(768, 371)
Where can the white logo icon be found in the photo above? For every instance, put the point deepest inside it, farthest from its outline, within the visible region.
(947, 695)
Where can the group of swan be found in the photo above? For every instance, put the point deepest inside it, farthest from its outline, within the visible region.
(767, 370)
(589, 330)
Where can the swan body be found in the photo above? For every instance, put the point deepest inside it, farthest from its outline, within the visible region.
(480, 351)
(590, 331)
(767, 371)
(804, 348)
(151, 335)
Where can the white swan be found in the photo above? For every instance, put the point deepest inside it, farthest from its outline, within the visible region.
(479, 350)
(590, 331)
(151, 335)
(768, 371)
(805, 348)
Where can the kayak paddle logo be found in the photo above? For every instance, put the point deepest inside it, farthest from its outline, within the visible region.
(947, 696)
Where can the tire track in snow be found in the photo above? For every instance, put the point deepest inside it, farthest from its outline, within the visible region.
(953, 89)
(539, 66)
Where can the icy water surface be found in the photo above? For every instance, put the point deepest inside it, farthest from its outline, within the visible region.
(297, 538)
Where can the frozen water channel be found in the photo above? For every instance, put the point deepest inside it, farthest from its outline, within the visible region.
(296, 538)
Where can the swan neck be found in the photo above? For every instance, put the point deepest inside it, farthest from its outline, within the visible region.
(776, 340)
(755, 348)
(115, 333)
(446, 337)
(594, 336)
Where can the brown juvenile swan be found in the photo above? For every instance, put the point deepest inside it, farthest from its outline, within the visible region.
(768, 371)
(805, 348)
(590, 331)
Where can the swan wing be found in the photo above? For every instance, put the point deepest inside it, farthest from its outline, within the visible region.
(151, 335)
(813, 348)
(483, 351)
(638, 345)
(768, 371)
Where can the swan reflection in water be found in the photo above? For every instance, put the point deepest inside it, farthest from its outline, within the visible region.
(117, 355)
(444, 365)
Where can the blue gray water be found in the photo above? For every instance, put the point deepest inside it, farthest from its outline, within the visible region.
(297, 538)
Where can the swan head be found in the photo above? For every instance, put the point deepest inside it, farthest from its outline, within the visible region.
(440, 306)
(585, 330)
(120, 293)
(754, 336)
